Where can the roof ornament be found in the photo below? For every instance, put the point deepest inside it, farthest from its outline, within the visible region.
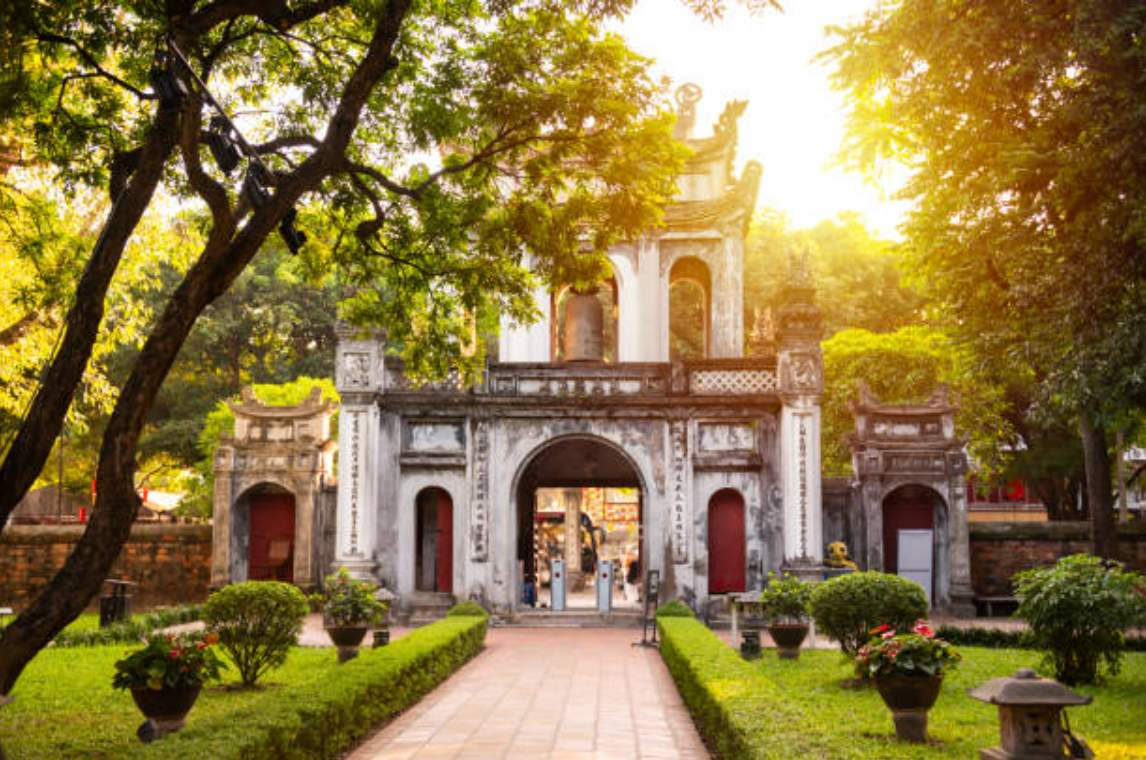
(687, 96)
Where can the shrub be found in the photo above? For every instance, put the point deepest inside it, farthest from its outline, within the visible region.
(258, 623)
(786, 598)
(1077, 611)
(849, 607)
(467, 609)
(130, 631)
(675, 608)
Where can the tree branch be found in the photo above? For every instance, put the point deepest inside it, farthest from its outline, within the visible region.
(90, 60)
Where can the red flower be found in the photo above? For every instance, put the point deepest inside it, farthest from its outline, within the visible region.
(175, 654)
(922, 629)
(881, 629)
(201, 646)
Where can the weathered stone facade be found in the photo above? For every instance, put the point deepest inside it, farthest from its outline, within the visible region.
(912, 452)
(680, 431)
(275, 450)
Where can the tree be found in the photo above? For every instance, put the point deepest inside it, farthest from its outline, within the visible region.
(536, 126)
(859, 283)
(1022, 126)
(904, 367)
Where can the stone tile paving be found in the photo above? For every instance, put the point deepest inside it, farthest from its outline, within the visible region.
(548, 694)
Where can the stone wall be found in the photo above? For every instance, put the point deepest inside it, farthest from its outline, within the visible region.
(999, 550)
(171, 563)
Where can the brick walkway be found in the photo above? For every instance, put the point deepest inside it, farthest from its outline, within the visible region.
(548, 694)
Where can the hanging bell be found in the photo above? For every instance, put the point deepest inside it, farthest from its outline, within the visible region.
(584, 328)
(170, 88)
(222, 145)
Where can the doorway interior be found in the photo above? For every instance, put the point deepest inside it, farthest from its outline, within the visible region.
(580, 502)
(434, 560)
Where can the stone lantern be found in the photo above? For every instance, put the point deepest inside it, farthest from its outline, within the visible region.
(1030, 717)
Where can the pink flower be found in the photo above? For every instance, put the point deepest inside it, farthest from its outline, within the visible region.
(888, 634)
(922, 629)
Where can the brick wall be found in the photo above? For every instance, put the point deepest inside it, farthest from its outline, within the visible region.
(999, 550)
(171, 563)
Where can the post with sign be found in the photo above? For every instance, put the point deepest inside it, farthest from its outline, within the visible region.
(605, 586)
(557, 585)
(652, 594)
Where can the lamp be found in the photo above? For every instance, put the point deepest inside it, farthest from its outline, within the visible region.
(222, 144)
(293, 237)
(256, 185)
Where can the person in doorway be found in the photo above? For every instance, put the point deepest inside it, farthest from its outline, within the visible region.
(633, 580)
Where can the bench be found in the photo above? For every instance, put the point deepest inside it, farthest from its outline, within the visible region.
(988, 604)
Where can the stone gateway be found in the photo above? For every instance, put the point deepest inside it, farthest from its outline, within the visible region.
(611, 431)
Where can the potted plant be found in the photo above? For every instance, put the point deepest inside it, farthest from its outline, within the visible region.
(785, 600)
(165, 677)
(349, 607)
(908, 671)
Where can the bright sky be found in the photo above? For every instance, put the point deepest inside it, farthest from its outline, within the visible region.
(794, 123)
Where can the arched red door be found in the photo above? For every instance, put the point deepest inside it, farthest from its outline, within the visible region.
(726, 564)
(435, 551)
(907, 508)
(271, 545)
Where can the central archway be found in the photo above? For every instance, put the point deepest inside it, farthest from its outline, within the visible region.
(579, 499)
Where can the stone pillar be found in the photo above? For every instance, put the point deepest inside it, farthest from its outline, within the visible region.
(962, 594)
(221, 518)
(800, 370)
(571, 501)
(360, 378)
(727, 297)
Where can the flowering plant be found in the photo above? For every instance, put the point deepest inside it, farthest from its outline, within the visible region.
(346, 601)
(918, 653)
(169, 661)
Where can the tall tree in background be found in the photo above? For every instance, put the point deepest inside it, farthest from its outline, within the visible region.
(1023, 127)
(544, 127)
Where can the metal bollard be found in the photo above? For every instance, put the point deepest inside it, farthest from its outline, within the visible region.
(557, 585)
(605, 586)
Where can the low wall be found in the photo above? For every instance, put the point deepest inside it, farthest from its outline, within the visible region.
(999, 550)
(171, 563)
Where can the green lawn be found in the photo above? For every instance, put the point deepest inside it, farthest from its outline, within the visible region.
(1114, 724)
(65, 706)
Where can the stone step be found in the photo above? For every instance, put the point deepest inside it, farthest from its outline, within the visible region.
(569, 619)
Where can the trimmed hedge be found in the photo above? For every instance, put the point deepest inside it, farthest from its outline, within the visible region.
(131, 631)
(1001, 638)
(321, 723)
(675, 608)
(468, 609)
(742, 714)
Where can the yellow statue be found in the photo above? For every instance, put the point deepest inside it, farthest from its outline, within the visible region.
(838, 556)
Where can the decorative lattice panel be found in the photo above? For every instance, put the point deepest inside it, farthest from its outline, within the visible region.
(733, 382)
(397, 381)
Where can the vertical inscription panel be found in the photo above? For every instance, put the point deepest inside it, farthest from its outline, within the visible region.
(679, 494)
(479, 506)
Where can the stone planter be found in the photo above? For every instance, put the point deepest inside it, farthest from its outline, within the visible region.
(347, 638)
(788, 638)
(909, 698)
(165, 709)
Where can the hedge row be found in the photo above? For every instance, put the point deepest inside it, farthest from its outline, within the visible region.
(130, 631)
(742, 713)
(322, 722)
(999, 638)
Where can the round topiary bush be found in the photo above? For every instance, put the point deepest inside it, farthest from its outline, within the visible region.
(847, 608)
(1077, 611)
(257, 622)
(467, 609)
(675, 608)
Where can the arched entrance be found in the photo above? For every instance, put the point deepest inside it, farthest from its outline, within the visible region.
(271, 536)
(913, 530)
(726, 547)
(434, 568)
(579, 500)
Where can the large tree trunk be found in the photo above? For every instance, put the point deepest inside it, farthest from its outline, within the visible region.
(1099, 495)
(225, 255)
(45, 419)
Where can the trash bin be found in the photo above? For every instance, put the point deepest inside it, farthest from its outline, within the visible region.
(115, 605)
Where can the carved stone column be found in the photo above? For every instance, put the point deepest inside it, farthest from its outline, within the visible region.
(801, 376)
(962, 594)
(221, 518)
(360, 378)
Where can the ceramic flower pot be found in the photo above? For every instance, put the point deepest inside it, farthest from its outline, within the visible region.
(909, 698)
(347, 638)
(166, 708)
(788, 638)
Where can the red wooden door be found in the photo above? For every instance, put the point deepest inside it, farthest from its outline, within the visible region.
(904, 509)
(271, 546)
(445, 558)
(726, 542)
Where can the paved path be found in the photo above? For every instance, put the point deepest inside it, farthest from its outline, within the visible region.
(548, 694)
